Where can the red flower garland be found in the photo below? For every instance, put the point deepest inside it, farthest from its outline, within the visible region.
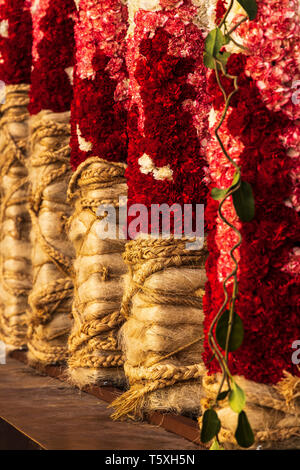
(53, 45)
(15, 41)
(99, 109)
(268, 301)
(167, 123)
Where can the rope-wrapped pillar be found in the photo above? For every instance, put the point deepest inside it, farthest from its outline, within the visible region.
(99, 150)
(15, 265)
(260, 133)
(50, 100)
(167, 128)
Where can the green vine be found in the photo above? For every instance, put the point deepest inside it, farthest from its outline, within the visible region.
(226, 331)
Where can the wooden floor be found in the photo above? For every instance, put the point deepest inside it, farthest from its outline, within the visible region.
(39, 412)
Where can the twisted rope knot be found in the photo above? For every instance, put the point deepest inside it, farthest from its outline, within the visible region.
(148, 256)
(96, 173)
(45, 300)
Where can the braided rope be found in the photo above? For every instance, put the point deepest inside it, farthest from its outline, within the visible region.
(148, 256)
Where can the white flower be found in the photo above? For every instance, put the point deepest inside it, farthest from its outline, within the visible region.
(146, 164)
(163, 173)
(84, 145)
(69, 71)
(159, 173)
(4, 28)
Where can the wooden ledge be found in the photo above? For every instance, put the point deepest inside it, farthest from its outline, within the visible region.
(53, 416)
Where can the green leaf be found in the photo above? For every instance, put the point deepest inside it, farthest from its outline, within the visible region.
(237, 399)
(223, 57)
(250, 7)
(236, 335)
(236, 179)
(244, 434)
(208, 61)
(215, 446)
(243, 202)
(214, 41)
(211, 425)
(222, 395)
(217, 193)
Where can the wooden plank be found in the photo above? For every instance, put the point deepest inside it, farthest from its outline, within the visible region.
(179, 425)
(12, 438)
(58, 416)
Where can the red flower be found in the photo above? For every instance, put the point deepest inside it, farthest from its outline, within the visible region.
(267, 302)
(50, 85)
(15, 49)
(236, 64)
(220, 9)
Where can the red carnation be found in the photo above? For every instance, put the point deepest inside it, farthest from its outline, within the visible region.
(236, 64)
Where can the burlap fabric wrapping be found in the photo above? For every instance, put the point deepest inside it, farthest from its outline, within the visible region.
(273, 411)
(51, 297)
(15, 266)
(98, 267)
(162, 337)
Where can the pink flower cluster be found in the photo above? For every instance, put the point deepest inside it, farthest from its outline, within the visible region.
(101, 25)
(38, 9)
(274, 42)
(221, 173)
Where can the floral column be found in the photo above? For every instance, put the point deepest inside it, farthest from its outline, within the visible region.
(167, 128)
(15, 265)
(99, 152)
(50, 101)
(261, 134)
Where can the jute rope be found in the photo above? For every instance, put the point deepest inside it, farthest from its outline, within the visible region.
(15, 266)
(51, 296)
(273, 411)
(98, 267)
(162, 337)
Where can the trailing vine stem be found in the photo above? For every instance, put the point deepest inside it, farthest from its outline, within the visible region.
(226, 330)
(233, 274)
(226, 14)
(245, 18)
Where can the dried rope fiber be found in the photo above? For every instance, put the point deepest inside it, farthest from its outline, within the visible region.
(94, 356)
(15, 265)
(51, 297)
(162, 337)
(273, 411)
